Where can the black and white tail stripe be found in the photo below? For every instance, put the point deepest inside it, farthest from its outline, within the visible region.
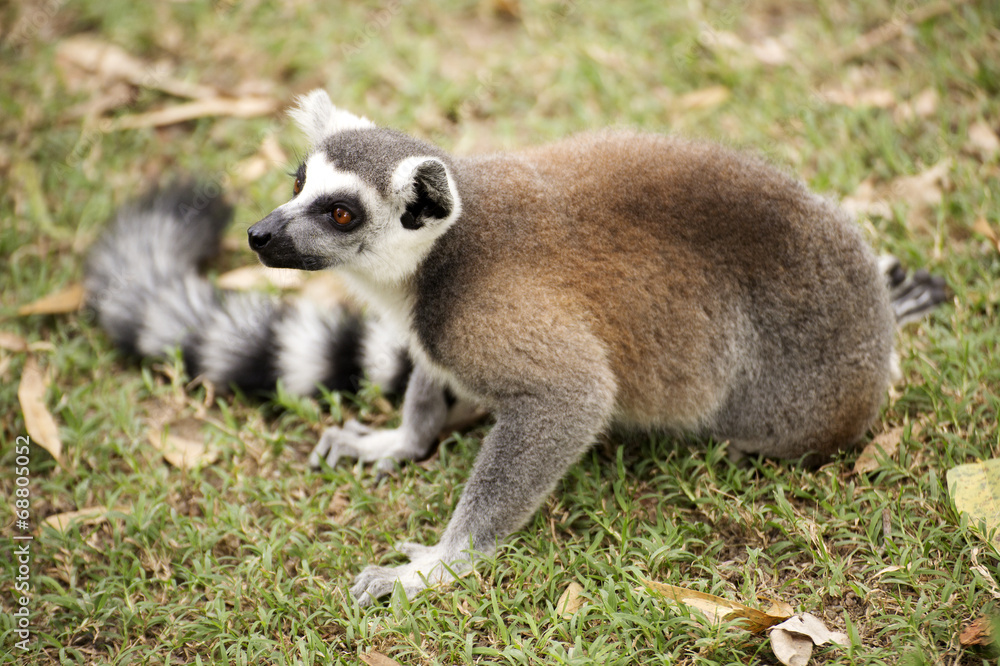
(143, 282)
(913, 295)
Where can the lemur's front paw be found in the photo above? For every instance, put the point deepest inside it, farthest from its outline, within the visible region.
(360, 442)
(426, 568)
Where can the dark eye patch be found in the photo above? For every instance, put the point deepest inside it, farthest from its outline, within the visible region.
(326, 205)
(300, 179)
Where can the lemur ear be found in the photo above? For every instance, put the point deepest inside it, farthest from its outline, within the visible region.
(318, 118)
(426, 188)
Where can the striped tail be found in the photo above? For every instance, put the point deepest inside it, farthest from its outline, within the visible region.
(143, 282)
(913, 295)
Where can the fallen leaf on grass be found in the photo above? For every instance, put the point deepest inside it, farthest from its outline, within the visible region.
(791, 649)
(703, 99)
(718, 609)
(770, 51)
(374, 658)
(792, 641)
(879, 98)
(882, 447)
(889, 569)
(983, 141)
(69, 299)
(182, 445)
(867, 201)
(983, 227)
(975, 490)
(239, 107)
(258, 277)
(89, 516)
(570, 601)
(12, 342)
(779, 608)
(38, 420)
(921, 191)
(977, 632)
(923, 105)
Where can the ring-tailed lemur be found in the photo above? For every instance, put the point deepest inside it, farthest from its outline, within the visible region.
(613, 277)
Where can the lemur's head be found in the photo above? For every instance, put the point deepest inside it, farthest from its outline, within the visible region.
(366, 198)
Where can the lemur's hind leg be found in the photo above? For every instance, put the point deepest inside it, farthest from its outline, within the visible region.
(425, 413)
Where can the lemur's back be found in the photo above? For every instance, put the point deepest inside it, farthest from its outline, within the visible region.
(726, 295)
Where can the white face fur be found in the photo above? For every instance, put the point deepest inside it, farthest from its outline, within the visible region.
(380, 250)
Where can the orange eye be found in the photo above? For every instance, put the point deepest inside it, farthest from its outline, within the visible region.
(342, 216)
(297, 187)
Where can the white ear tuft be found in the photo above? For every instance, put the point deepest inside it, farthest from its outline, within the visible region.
(318, 118)
(426, 189)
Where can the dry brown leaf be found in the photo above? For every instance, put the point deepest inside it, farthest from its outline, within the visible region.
(239, 107)
(69, 299)
(703, 99)
(809, 625)
(924, 188)
(114, 63)
(866, 201)
(374, 658)
(770, 51)
(883, 446)
(977, 632)
(889, 569)
(790, 648)
(983, 141)
(89, 516)
(921, 192)
(879, 98)
(983, 227)
(975, 490)
(258, 277)
(923, 105)
(38, 420)
(716, 608)
(182, 444)
(570, 601)
(12, 342)
(779, 608)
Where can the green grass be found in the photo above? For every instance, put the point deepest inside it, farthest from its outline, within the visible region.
(248, 560)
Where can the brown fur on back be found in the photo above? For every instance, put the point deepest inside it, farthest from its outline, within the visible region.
(722, 296)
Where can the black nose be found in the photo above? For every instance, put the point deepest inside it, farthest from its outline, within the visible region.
(258, 238)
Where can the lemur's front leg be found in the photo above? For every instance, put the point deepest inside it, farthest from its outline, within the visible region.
(425, 413)
(537, 436)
